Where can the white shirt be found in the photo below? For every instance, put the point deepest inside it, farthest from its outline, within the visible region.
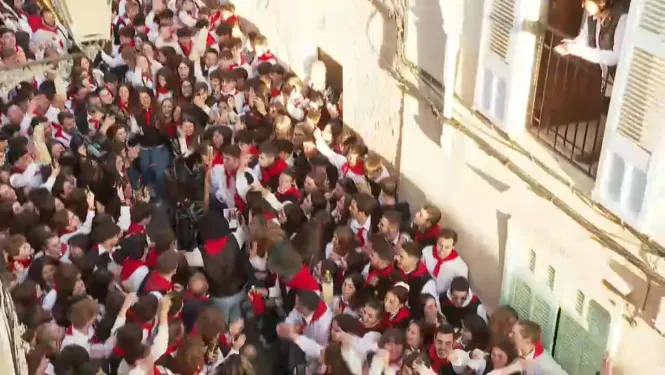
(450, 268)
(316, 328)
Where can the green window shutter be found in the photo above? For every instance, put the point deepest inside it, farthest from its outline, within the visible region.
(598, 322)
(521, 298)
(579, 350)
(570, 341)
(544, 311)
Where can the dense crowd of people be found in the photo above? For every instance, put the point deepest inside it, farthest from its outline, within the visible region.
(183, 204)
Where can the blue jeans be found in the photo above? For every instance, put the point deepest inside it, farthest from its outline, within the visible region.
(154, 163)
(231, 306)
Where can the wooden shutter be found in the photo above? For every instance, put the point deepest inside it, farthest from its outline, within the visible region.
(502, 17)
(634, 123)
(505, 62)
(581, 339)
(535, 302)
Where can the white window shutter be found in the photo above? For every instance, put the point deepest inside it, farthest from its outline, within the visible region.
(630, 174)
(507, 56)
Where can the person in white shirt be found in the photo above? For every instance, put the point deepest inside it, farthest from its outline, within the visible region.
(443, 262)
(83, 315)
(310, 318)
(140, 358)
(599, 42)
(527, 337)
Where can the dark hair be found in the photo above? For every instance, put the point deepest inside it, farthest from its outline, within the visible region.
(480, 333)
(459, 284)
(309, 299)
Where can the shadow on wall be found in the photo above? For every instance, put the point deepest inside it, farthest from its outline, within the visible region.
(390, 60)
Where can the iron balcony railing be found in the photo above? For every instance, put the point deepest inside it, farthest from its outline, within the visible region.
(569, 103)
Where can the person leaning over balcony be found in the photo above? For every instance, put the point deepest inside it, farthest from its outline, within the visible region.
(599, 42)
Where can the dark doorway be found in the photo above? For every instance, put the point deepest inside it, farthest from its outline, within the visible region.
(334, 71)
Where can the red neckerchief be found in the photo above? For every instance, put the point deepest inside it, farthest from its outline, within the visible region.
(303, 280)
(437, 362)
(94, 122)
(360, 235)
(188, 140)
(70, 331)
(51, 29)
(59, 131)
(63, 249)
(190, 295)
(210, 40)
(129, 266)
(253, 150)
(342, 305)
(147, 78)
(158, 283)
(172, 129)
(430, 234)
(267, 56)
(123, 106)
(162, 90)
(45, 27)
(34, 21)
(109, 90)
(214, 247)
(267, 174)
(235, 64)
(151, 259)
(135, 228)
(148, 115)
(420, 271)
(538, 350)
(379, 273)
(316, 315)
(186, 48)
(358, 169)
(218, 159)
(239, 202)
(229, 175)
(440, 261)
(274, 93)
(117, 352)
(293, 191)
(393, 322)
(24, 262)
(214, 17)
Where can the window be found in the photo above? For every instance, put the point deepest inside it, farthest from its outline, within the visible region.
(581, 341)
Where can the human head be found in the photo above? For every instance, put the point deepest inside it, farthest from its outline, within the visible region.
(459, 291)
(427, 217)
(307, 302)
(526, 335)
(444, 339)
(446, 242)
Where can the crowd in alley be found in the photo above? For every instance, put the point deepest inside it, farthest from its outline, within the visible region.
(183, 203)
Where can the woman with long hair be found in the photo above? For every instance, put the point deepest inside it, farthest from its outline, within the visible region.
(154, 157)
(166, 86)
(166, 119)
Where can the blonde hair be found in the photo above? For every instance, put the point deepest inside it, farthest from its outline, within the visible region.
(42, 155)
(373, 163)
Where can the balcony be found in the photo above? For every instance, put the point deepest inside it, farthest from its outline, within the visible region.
(568, 107)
